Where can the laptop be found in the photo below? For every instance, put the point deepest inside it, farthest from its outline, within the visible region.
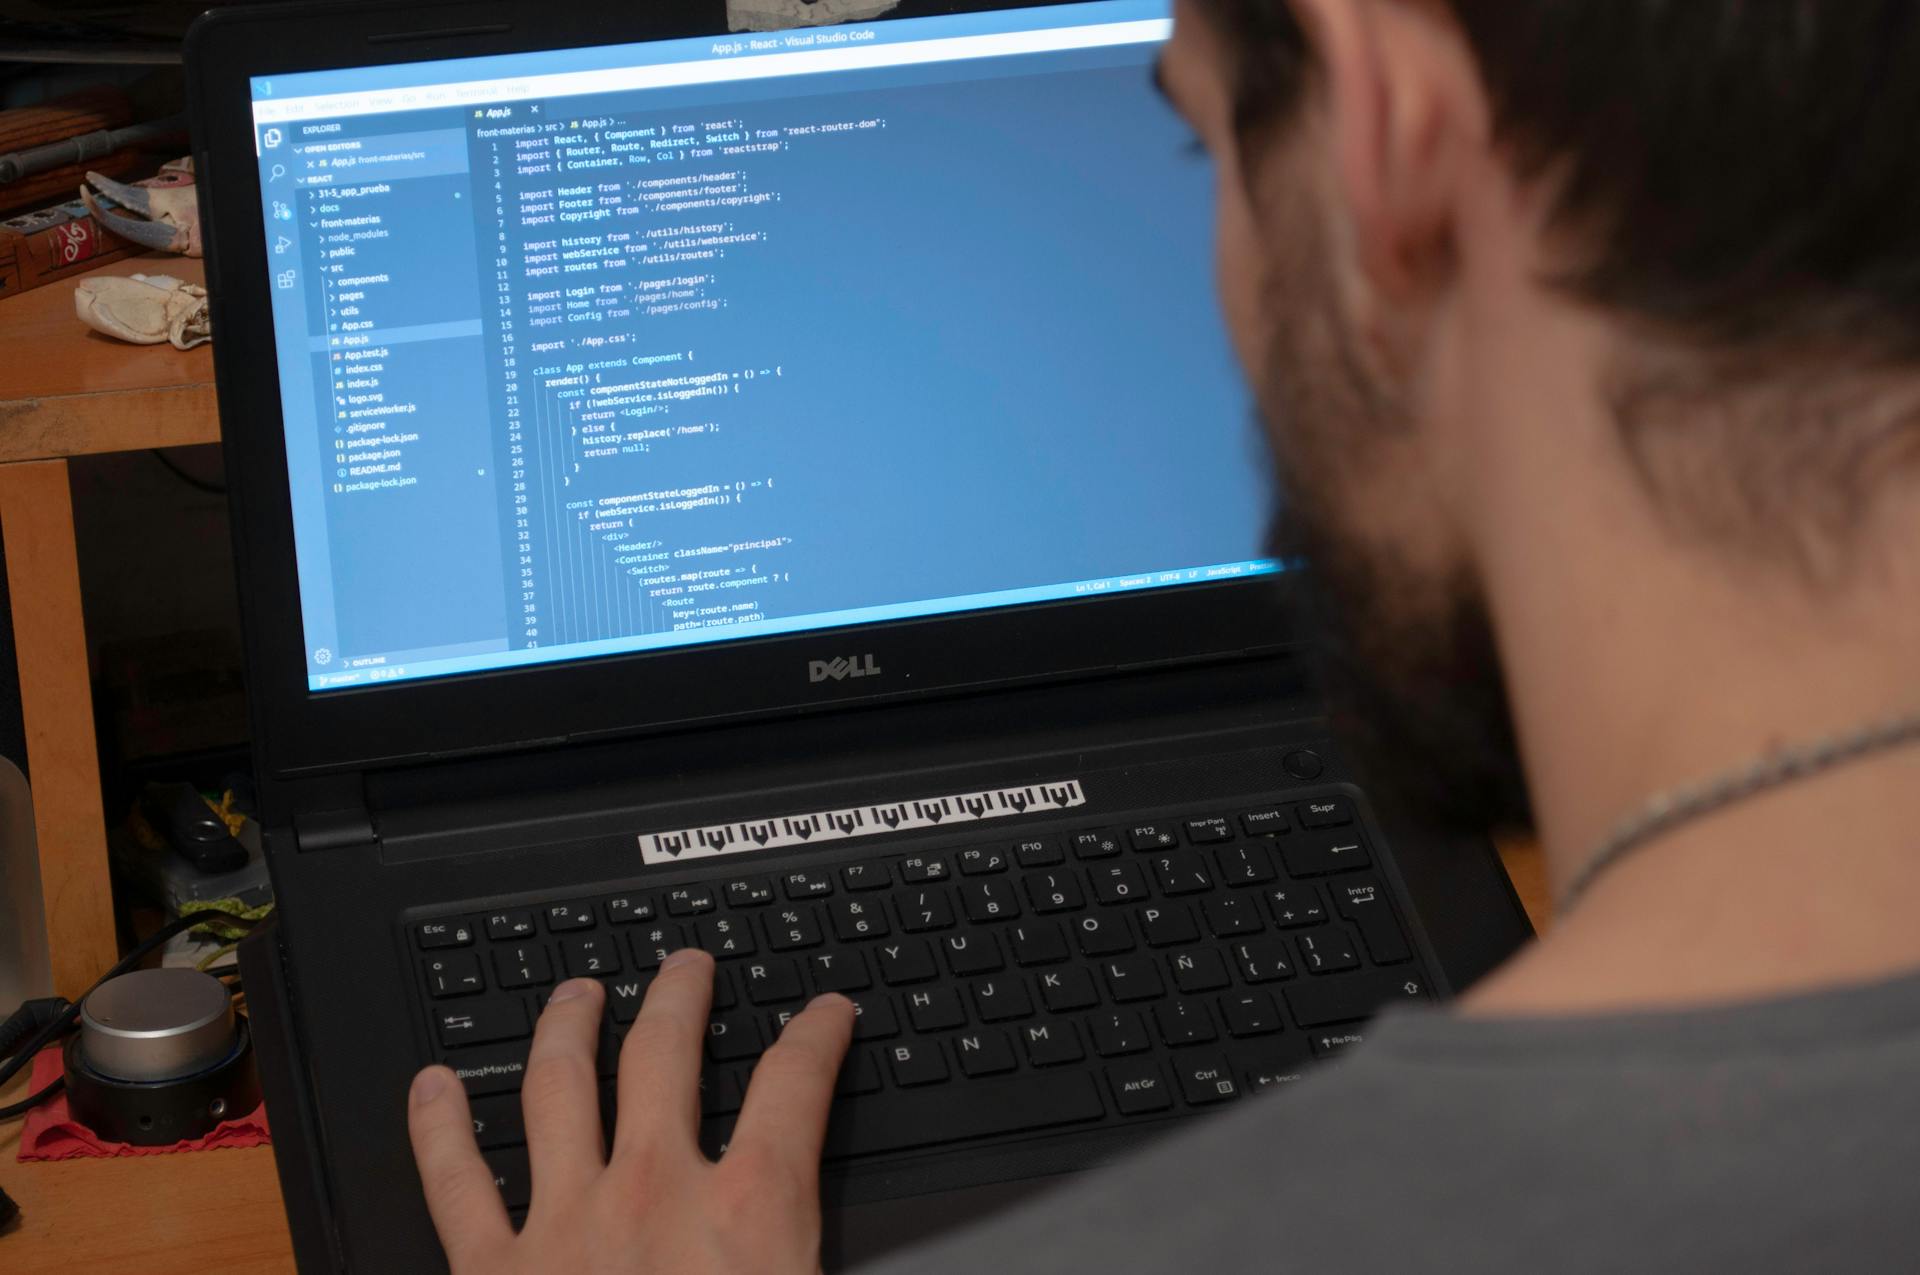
(785, 491)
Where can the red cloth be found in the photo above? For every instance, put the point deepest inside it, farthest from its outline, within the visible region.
(51, 1132)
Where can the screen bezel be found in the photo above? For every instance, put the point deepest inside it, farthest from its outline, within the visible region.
(302, 732)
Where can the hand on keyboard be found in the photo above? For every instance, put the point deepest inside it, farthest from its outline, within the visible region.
(656, 1203)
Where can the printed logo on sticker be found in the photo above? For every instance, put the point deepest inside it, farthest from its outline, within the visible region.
(786, 831)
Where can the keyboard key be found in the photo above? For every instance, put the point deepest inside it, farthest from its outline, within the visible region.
(1250, 1014)
(917, 1062)
(930, 1117)
(1205, 1079)
(1329, 812)
(512, 1175)
(1269, 821)
(1352, 997)
(1184, 873)
(1232, 915)
(1139, 1089)
(975, 953)
(721, 1092)
(654, 944)
(1068, 989)
(924, 908)
(1001, 1000)
(589, 955)
(1264, 960)
(562, 917)
(1133, 978)
(1328, 951)
(1184, 1022)
(1168, 925)
(749, 892)
(1097, 843)
(1037, 943)
(522, 965)
(792, 928)
(1248, 864)
(981, 860)
(1335, 1041)
(509, 925)
(1038, 852)
(690, 900)
(1200, 971)
(1153, 836)
(855, 919)
(865, 876)
(1119, 883)
(1117, 1033)
(873, 1017)
(935, 1009)
(859, 1074)
(723, 994)
(732, 1037)
(1100, 935)
(1204, 832)
(839, 971)
(725, 936)
(456, 974)
(625, 996)
(1295, 906)
(1280, 1060)
(481, 1023)
(491, 1069)
(1057, 891)
(1363, 900)
(497, 1122)
(1323, 854)
(985, 1053)
(988, 901)
(434, 935)
(1052, 1044)
(905, 961)
(921, 868)
(808, 885)
(773, 981)
(628, 909)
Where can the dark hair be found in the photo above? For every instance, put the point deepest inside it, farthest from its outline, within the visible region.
(1740, 176)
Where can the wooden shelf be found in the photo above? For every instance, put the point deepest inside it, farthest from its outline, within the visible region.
(66, 390)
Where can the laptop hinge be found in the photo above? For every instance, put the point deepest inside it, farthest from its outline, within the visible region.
(338, 818)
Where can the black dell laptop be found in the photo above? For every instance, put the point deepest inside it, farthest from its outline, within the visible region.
(785, 491)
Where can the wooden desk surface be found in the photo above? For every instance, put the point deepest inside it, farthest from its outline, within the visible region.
(184, 1214)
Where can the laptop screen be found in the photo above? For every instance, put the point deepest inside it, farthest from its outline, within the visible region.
(606, 350)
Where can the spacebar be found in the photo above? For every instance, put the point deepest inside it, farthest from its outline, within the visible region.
(901, 1120)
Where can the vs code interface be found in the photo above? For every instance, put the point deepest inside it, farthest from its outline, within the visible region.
(618, 349)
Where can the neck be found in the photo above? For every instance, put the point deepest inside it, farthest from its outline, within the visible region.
(1639, 662)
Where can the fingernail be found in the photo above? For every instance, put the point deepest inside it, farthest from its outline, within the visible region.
(569, 990)
(828, 998)
(685, 956)
(428, 1085)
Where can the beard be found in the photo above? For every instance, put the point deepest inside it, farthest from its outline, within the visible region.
(1404, 651)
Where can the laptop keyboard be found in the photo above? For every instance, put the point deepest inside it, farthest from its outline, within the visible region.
(1053, 979)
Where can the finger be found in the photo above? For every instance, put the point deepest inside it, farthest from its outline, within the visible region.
(660, 1063)
(461, 1195)
(784, 1119)
(560, 1092)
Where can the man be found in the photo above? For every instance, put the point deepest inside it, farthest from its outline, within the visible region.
(1588, 332)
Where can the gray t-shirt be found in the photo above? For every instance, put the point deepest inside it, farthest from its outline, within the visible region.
(1776, 1136)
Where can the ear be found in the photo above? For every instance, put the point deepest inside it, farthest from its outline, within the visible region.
(1404, 110)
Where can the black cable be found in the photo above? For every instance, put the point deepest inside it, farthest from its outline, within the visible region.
(64, 1020)
(33, 1100)
(198, 484)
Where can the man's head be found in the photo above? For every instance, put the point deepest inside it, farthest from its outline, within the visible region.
(1504, 272)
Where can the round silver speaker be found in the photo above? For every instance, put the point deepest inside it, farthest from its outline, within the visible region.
(155, 1025)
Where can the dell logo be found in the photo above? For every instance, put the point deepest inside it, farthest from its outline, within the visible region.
(842, 669)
